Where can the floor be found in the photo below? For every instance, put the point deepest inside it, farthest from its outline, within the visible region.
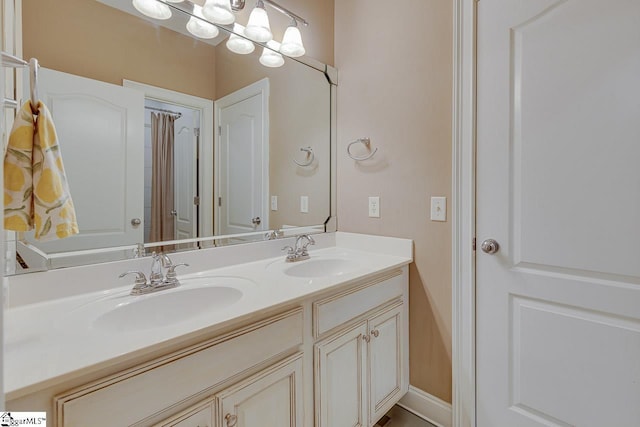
(399, 417)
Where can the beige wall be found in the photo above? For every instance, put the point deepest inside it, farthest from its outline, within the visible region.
(87, 38)
(395, 85)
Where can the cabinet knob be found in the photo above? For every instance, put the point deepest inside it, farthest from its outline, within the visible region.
(375, 333)
(367, 338)
(231, 420)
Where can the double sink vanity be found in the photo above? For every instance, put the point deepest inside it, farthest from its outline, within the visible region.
(246, 339)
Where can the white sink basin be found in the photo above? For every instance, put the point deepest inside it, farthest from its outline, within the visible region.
(195, 297)
(321, 267)
(166, 308)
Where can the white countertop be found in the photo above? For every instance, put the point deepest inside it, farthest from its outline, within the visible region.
(48, 342)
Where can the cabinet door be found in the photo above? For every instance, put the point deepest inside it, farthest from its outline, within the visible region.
(341, 392)
(386, 359)
(272, 398)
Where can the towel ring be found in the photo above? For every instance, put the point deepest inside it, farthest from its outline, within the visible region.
(367, 143)
(310, 157)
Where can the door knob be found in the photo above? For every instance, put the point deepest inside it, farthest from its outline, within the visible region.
(490, 246)
(174, 212)
(136, 222)
(256, 221)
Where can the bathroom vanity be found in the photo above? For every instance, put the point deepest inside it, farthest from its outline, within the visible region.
(247, 339)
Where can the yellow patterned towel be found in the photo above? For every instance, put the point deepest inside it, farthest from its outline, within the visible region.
(36, 193)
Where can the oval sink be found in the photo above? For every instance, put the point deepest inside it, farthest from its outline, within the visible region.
(321, 267)
(166, 308)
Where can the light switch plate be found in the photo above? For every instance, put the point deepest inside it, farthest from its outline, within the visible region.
(438, 209)
(374, 207)
(304, 204)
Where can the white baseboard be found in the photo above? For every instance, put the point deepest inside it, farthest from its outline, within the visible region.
(427, 407)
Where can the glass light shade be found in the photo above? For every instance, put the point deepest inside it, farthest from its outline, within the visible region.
(292, 42)
(219, 11)
(199, 27)
(152, 8)
(271, 58)
(239, 44)
(258, 26)
(173, 1)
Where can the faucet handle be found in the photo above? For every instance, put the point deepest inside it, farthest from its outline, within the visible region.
(291, 253)
(171, 273)
(140, 282)
(141, 279)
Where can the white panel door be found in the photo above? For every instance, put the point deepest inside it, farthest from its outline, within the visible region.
(341, 379)
(243, 160)
(558, 134)
(185, 181)
(101, 131)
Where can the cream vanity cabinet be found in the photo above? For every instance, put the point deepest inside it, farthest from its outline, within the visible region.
(228, 381)
(337, 358)
(274, 394)
(361, 366)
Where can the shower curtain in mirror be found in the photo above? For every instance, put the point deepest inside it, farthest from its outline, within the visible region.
(162, 190)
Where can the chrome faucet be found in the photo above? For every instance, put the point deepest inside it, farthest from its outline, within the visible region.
(274, 234)
(299, 252)
(155, 277)
(157, 281)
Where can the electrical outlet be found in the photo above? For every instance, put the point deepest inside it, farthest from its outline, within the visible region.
(374, 207)
(438, 209)
(304, 204)
(274, 203)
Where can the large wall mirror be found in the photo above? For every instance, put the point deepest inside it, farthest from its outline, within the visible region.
(170, 138)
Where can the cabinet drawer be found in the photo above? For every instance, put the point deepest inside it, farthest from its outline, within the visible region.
(332, 312)
(139, 393)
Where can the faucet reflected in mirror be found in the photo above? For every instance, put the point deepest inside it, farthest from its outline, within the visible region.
(98, 102)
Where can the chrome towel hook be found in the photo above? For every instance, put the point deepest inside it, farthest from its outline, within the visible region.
(33, 82)
(367, 143)
(310, 157)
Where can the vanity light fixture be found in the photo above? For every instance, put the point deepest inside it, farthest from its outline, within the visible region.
(199, 27)
(218, 12)
(292, 41)
(258, 26)
(270, 56)
(238, 44)
(153, 9)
